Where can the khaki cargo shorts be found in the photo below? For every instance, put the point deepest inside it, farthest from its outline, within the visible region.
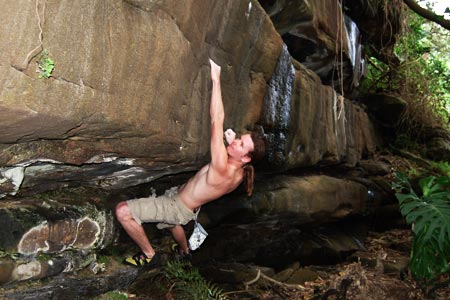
(167, 210)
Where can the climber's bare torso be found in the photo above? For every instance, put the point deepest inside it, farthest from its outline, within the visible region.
(225, 171)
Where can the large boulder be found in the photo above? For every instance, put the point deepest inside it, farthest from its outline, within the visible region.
(297, 200)
(128, 99)
(128, 103)
(437, 142)
(130, 77)
(387, 110)
(320, 36)
(325, 128)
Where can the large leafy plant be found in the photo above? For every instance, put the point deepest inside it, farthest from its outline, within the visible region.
(429, 215)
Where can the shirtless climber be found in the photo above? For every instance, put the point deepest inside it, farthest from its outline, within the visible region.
(225, 172)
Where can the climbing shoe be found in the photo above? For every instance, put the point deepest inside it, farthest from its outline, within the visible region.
(180, 253)
(141, 260)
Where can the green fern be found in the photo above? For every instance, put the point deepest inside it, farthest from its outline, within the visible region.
(429, 214)
(199, 289)
(181, 270)
(189, 284)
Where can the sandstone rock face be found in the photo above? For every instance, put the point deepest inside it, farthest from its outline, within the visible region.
(318, 197)
(128, 103)
(378, 23)
(324, 128)
(322, 38)
(130, 77)
(301, 200)
(128, 99)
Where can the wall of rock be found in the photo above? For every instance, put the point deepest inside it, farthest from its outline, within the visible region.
(128, 103)
(128, 99)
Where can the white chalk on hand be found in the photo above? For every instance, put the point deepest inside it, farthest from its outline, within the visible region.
(230, 135)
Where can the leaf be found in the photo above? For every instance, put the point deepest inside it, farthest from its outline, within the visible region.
(406, 198)
(430, 231)
(443, 181)
(427, 260)
(426, 183)
(438, 196)
(430, 214)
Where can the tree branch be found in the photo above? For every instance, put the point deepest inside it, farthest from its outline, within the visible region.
(428, 14)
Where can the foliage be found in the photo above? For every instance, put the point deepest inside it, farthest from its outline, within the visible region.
(45, 65)
(413, 172)
(418, 72)
(429, 213)
(443, 166)
(103, 259)
(113, 295)
(424, 52)
(188, 284)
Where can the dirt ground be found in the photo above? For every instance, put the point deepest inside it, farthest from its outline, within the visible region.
(379, 272)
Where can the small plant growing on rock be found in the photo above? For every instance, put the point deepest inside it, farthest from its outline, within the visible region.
(45, 65)
(429, 215)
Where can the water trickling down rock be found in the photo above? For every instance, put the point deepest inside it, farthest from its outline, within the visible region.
(277, 105)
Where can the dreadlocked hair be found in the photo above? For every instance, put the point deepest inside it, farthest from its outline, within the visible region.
(249, 176)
